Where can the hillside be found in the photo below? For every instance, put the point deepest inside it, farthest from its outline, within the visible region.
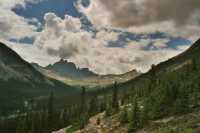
(170, 65)
(187, 123)
(165, 99)
(20, 82)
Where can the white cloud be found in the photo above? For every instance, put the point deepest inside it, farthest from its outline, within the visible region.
(64, 38)
(31, 53)
(96, 13)
(12, 25)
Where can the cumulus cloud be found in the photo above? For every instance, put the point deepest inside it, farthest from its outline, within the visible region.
(31, 53)
(15, 26)
(64, 38)
(12, 25)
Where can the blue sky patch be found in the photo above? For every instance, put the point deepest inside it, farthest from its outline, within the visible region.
(175, 42)
(38, 10)
(126, 37)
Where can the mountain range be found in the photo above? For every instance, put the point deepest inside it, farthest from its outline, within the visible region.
(67, 72)
(21, 81)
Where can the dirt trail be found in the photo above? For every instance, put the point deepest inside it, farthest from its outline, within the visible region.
(100, 124)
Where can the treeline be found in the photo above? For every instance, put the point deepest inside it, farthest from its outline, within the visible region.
(46, 119)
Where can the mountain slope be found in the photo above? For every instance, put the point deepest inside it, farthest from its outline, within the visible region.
(165, 99)
(170, 65)
(13, 66)
(19, 82)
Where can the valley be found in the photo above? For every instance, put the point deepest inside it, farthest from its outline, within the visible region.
(133, 102)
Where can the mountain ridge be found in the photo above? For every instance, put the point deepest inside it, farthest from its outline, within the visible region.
(69, 69)
(93, 80)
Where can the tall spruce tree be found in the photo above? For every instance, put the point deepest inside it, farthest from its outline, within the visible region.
(135, 123)
(115, 104)
(124, 115)
(50, 112)
(83, 99)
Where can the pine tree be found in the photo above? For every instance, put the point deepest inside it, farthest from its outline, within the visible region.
(182, 102)
(83, 96)
(115, 104)
(135, 123)
(124, 116)
(50, 112)
(108, 111)
(93, 106)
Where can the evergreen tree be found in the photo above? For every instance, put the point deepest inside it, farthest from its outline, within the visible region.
(124, 116)
(182, 102)
(83, 99)
(115, 104)
(50, 112)
(108, 111)
(93, 106)
(135, 123)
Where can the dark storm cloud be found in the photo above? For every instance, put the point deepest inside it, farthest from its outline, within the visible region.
(127, 13)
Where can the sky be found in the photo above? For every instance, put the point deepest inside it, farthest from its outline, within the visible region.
(106, 36)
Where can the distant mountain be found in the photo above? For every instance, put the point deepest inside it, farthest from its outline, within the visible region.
(69, 69)
(67, 72)
(20, 81)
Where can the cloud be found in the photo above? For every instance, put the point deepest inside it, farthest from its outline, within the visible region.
(176, 17)
(129, 13)
(12, 25)
(64, 38)
(32, 53)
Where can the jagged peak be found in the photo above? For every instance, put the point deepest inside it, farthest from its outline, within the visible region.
(63, 60)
